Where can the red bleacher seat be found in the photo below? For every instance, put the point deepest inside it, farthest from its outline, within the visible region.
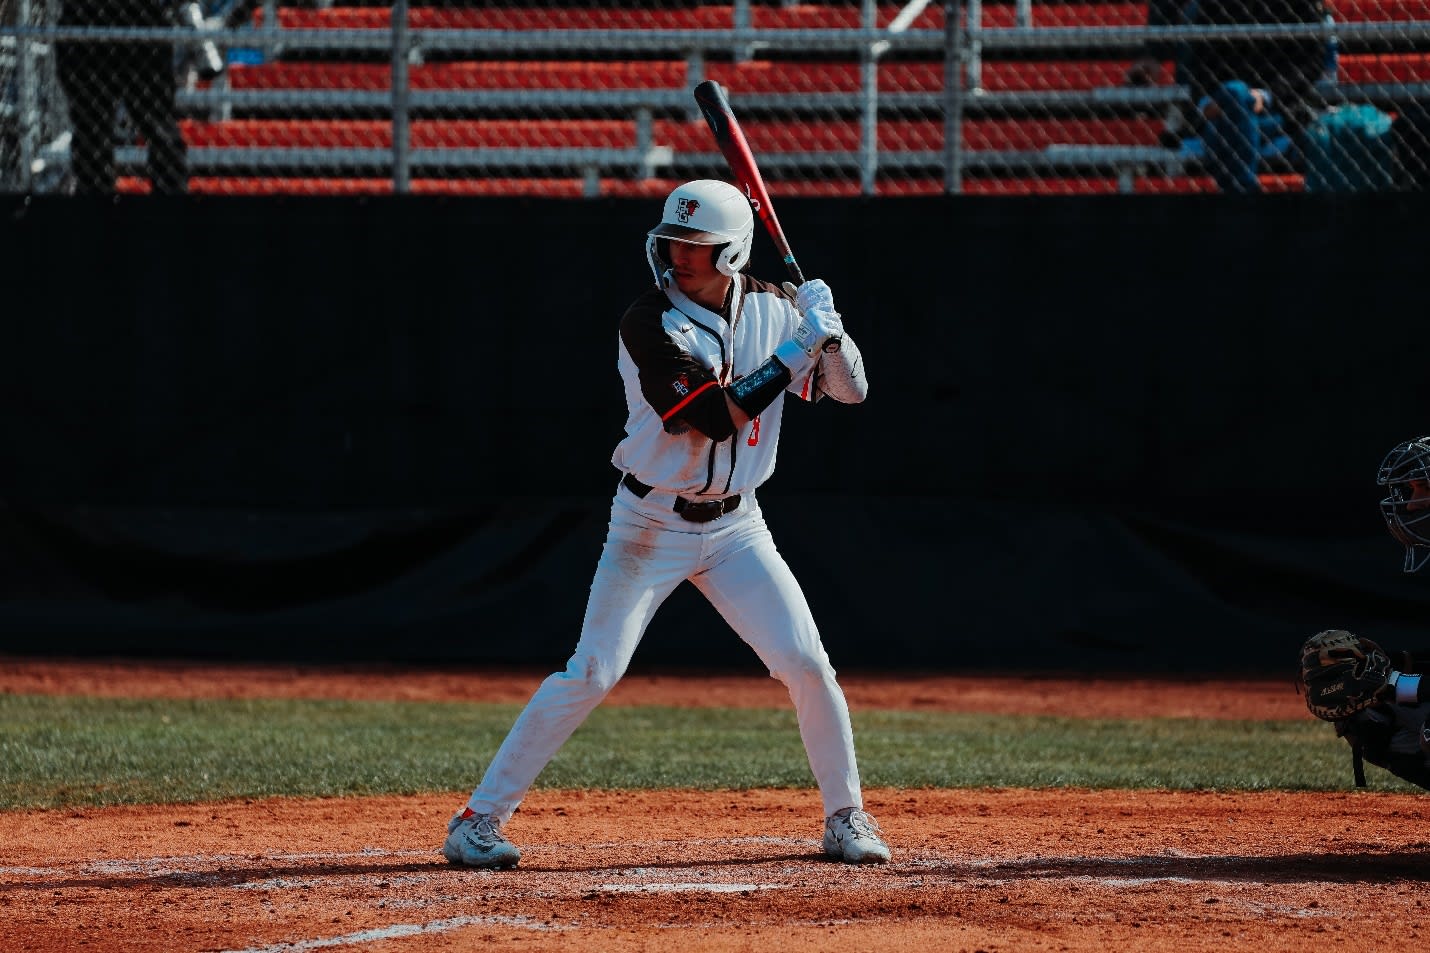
(714, 16)
(1003, 133)
(564, 188)
(928, 185)
(377, 77)
(1385, 68)
(1102, 185)
(758, 77)
(766, 76)
(692, 137)
(1005, 15)
(569, 188)
(745, 78)
(425, 134)
(705, 17)
(1378, 11)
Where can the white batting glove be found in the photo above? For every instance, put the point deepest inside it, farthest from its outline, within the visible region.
(813, 295)
(817, 331)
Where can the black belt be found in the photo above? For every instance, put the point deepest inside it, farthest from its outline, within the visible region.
(696, 511)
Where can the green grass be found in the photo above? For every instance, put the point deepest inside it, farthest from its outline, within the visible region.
(62, 751)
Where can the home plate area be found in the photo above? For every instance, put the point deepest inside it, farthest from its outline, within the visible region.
(688, 870)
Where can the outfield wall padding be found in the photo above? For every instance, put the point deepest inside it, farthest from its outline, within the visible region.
(1100, 431)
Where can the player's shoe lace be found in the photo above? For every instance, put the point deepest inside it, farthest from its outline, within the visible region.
(852, 836)
(475, 840)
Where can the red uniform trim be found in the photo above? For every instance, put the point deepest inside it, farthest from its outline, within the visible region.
(688, 398)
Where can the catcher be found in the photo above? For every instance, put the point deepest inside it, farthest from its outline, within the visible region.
(1375, 704)
(1378, 703)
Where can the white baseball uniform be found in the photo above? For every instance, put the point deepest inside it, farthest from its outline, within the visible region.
(674, 358)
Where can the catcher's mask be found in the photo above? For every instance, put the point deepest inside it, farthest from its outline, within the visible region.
(704, 212)
(1407, 518)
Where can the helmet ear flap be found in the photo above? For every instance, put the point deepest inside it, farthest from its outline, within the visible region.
(731, 258)
(657, 255)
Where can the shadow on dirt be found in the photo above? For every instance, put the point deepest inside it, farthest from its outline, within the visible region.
(1351, 867)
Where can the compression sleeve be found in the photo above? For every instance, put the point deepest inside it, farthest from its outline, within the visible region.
(840, 374)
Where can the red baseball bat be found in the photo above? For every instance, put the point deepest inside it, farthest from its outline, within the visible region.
(715, 106)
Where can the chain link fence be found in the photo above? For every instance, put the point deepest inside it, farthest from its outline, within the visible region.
(584, 99)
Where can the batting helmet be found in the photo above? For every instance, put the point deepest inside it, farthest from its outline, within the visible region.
(704, 212)
(1406, 511)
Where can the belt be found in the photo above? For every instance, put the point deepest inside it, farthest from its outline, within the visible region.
(701, 511)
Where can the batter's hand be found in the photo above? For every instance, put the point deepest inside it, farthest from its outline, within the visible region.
(813, 295)
(819, 331)
(816, 332)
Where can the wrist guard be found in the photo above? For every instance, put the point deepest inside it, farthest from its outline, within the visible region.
(759, 388)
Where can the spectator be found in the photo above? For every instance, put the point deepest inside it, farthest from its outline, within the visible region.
(1253, 97)
(100, 75)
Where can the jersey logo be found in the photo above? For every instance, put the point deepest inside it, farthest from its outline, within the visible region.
(685, 209)
(681, 385)
(754, 439)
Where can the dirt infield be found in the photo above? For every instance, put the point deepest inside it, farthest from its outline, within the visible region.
(992, 870)
(1107, 697)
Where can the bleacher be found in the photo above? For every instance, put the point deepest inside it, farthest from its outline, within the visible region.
(594, 100)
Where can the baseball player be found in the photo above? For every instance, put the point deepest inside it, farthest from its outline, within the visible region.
(707, 356)
(1378, 704)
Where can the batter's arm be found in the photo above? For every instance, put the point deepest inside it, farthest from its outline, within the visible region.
(840, 374)
(839, 371)
(793, 360)
(679, 388)
(738, 417)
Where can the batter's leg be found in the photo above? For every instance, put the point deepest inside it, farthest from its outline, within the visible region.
(751, 586)
(639, 568)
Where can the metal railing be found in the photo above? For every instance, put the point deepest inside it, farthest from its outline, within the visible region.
(964, 51)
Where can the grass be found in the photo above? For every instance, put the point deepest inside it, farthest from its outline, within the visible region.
(58, 751)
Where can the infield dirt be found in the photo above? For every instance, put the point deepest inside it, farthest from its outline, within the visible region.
(994, 870)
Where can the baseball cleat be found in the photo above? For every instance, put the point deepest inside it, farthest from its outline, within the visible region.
(475, 840)
(852, 835)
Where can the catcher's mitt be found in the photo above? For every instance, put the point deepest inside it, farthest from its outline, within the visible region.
(1343, 673)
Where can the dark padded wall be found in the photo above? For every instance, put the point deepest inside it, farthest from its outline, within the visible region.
(1098, 429)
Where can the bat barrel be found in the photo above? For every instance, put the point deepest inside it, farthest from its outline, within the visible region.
(730, 138)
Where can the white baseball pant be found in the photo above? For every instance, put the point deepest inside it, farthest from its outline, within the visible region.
(733, 561)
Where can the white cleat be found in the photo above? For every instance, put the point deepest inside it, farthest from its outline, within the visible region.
(852, 835)
(475, 840)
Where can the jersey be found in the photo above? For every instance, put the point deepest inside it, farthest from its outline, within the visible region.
(675, 357)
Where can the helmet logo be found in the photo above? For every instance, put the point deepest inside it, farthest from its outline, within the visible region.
(685, 209)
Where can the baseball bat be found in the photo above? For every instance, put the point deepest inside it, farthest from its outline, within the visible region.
(715, 106)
